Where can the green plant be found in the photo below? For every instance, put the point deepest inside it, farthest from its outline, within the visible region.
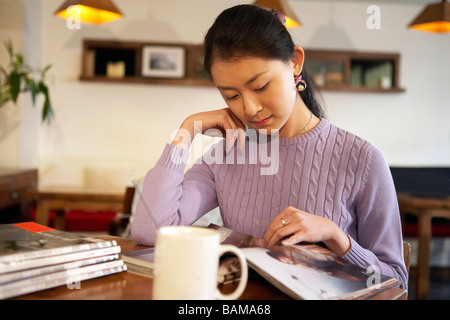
(21, 78)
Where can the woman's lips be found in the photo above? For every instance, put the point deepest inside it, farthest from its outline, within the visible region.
(263, 122)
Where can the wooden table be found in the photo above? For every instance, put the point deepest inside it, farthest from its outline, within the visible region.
(424, 208)
(129, 286)
(63, 199)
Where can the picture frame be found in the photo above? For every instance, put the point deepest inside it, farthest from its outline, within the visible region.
(163, 61)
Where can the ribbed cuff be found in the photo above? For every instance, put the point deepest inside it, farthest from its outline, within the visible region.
(174, 157)
(357, 254)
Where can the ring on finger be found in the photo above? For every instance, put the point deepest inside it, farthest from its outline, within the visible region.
(283, 222)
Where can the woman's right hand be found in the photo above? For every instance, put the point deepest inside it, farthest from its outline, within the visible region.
(222, 123)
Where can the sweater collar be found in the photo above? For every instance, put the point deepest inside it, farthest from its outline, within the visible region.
(323, 124)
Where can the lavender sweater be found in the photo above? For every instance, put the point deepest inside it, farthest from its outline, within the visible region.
(327, 171)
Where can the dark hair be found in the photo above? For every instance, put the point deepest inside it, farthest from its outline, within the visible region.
(248, 30)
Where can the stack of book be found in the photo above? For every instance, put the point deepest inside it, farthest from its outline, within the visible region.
(34, 258)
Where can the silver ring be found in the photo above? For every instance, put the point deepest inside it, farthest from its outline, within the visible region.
(283, 222)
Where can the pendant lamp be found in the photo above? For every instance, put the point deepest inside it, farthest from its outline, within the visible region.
(281, 6)
(90, 11)
(434, 18)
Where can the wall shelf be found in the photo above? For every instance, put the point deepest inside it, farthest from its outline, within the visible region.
(182, 64)
(141, 80)
(98, 54)
(353, 71)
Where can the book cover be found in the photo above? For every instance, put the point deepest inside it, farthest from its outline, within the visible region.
(140, 261)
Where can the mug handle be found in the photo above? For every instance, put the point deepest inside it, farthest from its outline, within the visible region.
(244, 273)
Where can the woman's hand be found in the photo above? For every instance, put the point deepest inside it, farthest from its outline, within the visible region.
(294, 225)
(220, 122)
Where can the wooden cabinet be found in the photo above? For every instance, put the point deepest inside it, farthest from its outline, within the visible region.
(14, 185)
(354, 71)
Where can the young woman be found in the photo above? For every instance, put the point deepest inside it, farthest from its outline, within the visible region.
(328, 185)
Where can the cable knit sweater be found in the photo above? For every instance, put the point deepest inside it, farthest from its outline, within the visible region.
(327, 171)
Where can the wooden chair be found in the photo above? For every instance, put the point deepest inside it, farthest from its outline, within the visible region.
(119, 224)
(407, 254)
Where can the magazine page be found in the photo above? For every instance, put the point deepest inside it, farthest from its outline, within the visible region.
(240, 240)
(313, 272)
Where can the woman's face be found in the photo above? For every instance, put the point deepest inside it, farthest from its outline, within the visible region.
(260, 92)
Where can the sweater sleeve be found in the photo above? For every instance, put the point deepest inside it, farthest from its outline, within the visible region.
(379, 240)
(173, 197)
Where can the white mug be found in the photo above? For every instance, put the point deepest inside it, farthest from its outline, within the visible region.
(187, 262)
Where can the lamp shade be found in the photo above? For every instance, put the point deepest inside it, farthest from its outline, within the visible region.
(281, 6)
(434, 18)
(90, 11)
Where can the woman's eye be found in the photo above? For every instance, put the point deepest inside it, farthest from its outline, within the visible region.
(262, 88)
(232, 97)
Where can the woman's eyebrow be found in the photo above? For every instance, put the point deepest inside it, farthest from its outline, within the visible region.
(256, 76)
(253, 78)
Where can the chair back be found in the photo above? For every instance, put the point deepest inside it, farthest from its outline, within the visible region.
(128, 200)
(407, 254)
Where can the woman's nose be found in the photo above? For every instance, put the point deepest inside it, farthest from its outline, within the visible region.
(251, 106)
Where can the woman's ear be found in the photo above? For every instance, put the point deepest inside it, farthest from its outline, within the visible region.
(298, 60)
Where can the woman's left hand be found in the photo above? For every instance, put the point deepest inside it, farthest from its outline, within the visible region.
(294, 225)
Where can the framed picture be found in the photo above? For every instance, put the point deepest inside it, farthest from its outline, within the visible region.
(159, 61)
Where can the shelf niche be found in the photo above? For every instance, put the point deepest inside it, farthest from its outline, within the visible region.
(127, 56)
(330, 70)
(354, 71)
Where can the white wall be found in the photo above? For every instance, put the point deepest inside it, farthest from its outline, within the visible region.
(126, 125)
(412, 128)
(10, 28)
(122, 126)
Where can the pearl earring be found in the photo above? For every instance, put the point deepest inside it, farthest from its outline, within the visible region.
(300, 84)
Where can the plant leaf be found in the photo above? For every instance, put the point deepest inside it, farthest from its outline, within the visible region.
(19, 79)
(19, 61)
(47, 111)
(9, 47)
(14, 85)
(4, 96)
(42, 88)
(3, 71)
(31, 86)
(44, 71)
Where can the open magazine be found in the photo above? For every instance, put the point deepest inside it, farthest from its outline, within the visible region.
(307, 271)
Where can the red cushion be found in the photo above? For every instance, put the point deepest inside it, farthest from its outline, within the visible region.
(437, 230)
(88, 221)
(79, 221)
